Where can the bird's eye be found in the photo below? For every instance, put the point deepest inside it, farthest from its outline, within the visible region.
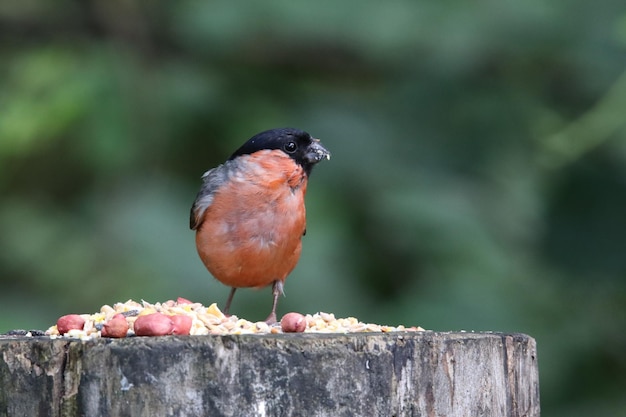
(290, 147)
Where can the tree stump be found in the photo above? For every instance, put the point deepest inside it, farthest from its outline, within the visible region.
(359, 374)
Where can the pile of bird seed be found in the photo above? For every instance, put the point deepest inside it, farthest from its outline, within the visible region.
(204, 321)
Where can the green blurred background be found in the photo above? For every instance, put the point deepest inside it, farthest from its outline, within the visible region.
(478, 178)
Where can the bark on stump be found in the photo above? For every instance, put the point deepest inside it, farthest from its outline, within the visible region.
(392, 374)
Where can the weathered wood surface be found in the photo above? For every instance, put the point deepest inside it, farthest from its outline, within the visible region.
(396, 374)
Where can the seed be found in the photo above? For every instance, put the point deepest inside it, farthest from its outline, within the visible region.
(154, 324)
(116, 327)
(70, 322)
(293, 323)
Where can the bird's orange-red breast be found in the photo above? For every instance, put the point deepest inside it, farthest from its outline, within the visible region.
(249, 215)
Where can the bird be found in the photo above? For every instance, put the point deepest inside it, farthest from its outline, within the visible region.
(249, 215)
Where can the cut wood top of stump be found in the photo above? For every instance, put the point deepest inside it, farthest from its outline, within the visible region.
(211, 321)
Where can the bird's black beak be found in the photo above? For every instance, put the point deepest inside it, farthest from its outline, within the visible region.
(316, 152)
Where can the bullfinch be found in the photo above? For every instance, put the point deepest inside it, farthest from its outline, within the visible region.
(249, 215)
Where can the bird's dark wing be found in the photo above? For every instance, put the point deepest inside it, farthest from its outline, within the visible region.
(212, 180)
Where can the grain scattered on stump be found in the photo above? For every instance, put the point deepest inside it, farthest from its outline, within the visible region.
(183, 317)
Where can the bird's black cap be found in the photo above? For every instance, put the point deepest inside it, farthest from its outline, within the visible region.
(298, 144)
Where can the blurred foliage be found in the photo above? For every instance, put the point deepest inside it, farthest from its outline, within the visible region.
(478, 178)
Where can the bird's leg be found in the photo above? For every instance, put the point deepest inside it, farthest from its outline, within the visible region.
(277, 290)
(229, 300)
